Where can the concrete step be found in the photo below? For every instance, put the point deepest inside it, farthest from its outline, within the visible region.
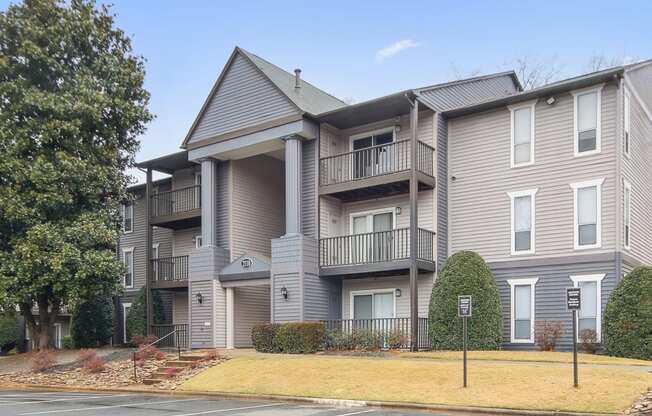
(150, 381)
(192, 358)
(179, 363)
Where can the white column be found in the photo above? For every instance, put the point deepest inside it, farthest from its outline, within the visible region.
(208, 201)
(230, 318)
(292, 185)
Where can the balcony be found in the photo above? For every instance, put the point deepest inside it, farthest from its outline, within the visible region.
(170, 272)
(179, 208)
(376, 171)
(376, 253)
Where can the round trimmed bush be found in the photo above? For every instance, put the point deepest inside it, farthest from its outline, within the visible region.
(465, 273)
(628, 316)
(137, 316)
(9, 332)
(92, 323)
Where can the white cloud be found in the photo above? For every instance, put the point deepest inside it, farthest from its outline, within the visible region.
(393, 49)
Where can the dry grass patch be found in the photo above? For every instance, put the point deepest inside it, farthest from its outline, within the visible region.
(527, 356)
(516, 386)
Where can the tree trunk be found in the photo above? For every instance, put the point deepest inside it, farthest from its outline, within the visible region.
(41, 332)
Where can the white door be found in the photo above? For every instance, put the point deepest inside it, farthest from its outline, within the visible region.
(57, 336)
(360, 243)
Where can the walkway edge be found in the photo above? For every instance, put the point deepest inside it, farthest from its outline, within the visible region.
(323, 401)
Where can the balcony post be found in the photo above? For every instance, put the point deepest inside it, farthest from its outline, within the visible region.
(292, 185)
(208, 201)
(414, 225)
(148, 250)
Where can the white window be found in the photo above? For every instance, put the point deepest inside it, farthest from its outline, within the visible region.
(373, 304)
(125, 311)
(522, 310)
(627, 121)
(127, 217)
(198, 241)
(627, 234)
(523, 221)
(128, 261)
(522, 128)
(590, 314)
(587, 214)
(587, 106)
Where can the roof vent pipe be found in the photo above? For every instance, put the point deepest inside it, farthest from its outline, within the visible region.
(297, 78)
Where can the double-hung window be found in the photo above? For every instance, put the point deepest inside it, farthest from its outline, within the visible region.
(523, 221)
(627, 124)
(522, 310)
(127, 217)
(627, 196)
(589, 315)
(522, 133)
(128, 261)
(587, 106)
(587, 214)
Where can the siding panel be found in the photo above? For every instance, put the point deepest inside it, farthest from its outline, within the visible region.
(252, 307)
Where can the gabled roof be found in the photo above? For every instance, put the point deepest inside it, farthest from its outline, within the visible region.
(308, 99)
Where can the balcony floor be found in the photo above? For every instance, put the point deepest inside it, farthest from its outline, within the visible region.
(179, 220)
(384, 268)
(376, 186)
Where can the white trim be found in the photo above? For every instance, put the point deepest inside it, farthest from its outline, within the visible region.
(123, 209)
(627, 214)
(156, 246)
(354, 293)
(598, 290)
(512, 109)
(632, 91)
(198, 241)
(598, 122)
(133, 274)
(58, 335)
(369, 214)
(597, 183)
(368, 133)
(124, 321)
(517, 194)
(627, 123)
(532, 282)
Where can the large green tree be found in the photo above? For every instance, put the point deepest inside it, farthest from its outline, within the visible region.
(72, 104)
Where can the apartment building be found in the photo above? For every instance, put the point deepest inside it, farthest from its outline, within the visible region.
(286, 204)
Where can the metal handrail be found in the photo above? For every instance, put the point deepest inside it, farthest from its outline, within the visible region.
(150, 345)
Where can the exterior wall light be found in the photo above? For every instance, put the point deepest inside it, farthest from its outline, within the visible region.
(398, 210)
(200, 298)
(398, 293)
(284, 292)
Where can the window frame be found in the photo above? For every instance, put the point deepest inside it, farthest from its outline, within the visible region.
(124, 321)
(532, 282)
(627, 123)
(133, 274)
(371, 292)
(129, 205)
(370, 133)
(598, 121)
(597, 183)
(627, 214)
(512, 198)
(597, 278)
(512, 110)
(370, 217)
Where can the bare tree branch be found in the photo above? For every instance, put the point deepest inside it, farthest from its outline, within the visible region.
(534, 73)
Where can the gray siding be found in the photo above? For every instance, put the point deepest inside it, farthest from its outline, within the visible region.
(223, 209)
(638, 172)
(252, 307)
(184, 177)
(180, 310)
(244, 98)
(184, 242)
(479, 152)
(309, 189)
(550, 291)
(317, 297)
(202, 320)
(258, 205)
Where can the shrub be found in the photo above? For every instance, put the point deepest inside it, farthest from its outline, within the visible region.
(339, 341)
(397, 340)
(137, 318)
(547, 333)
(589, 341)
(9, 332)
(160, 356)
(66, 343)
(92, 322)
(86, 354)
(148, 352)
(94, 365)
(171, 372)
(262, 337)
(465, 273)
(366, 340)
(43, 360)
(290, 338)
(211, 355)
(140, 340)
(628, 316)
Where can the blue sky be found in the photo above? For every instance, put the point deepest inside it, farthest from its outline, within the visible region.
(337, 44)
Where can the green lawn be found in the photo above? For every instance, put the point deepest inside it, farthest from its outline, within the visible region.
(514, 385)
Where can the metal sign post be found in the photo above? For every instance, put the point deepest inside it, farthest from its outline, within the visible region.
(464, 310)
(574, 303)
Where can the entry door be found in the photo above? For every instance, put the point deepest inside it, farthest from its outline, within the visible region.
(361, 244)
(372, 155)
(382, 241)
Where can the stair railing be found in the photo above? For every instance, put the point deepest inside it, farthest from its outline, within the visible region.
(144, 348)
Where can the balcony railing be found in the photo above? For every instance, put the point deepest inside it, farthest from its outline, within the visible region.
(176, 201)
(374, 161)
(170, 269)
(393, 332)
(381, 246)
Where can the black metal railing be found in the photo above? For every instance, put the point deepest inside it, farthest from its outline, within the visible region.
(179, 340)
(374, 161)
(394, 332)
(170, 269)
(176, 201)
(380, 246)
